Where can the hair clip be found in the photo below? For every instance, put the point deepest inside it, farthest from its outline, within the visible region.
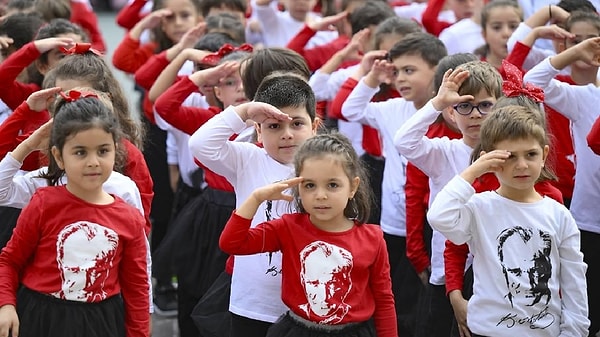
(80, 48)
(74, 95)
(226, 49)
(513, 84)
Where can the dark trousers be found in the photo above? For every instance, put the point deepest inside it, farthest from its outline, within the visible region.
(374, 167)
(591, 256)
(155, 153)
(434, 313)
(247, 327)
(406, 285)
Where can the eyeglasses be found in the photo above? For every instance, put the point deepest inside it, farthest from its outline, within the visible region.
(466, 108)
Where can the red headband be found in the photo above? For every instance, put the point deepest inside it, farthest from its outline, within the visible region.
(74, 95)
(226, 49)
(80, 48)
(513, 86)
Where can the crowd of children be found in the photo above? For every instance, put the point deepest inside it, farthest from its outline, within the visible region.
(301, 168)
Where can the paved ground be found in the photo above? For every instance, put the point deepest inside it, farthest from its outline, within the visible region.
(162, 327)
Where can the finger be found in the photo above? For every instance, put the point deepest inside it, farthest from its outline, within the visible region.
(293, 181)
(15, 329)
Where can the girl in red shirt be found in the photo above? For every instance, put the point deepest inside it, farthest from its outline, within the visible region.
(87, 264)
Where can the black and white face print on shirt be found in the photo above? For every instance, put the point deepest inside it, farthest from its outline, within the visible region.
(524, 254)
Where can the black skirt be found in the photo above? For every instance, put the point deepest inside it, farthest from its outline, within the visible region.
(290, 325)
(211, 315)
(44, 315)
(8, 221)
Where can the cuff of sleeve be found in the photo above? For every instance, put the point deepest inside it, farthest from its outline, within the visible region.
(233, 120)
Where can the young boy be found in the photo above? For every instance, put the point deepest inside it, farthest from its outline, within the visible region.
(441, 158)
(411, 66)
(284, 115)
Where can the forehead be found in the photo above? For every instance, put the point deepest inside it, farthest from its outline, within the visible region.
(518, 144)
(90, 138)
(483, 95)
(323, 167)
(179, 5)
(413, 60)
(68, 84)
(503, 13)
(296, 112)
(584, 28)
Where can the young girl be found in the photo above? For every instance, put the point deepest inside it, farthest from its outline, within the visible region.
(529, 274)
(499, 19)
(334, 282)
(91, 258)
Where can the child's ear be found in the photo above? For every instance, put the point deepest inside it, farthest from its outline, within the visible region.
(57, 157)
(355, 182)
(258, 132)
(316, 124)
(545, 154)
(41, 67)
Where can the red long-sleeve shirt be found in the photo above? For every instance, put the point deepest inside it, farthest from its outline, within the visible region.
(130, 54)
(188, 119)
(360, 285)
(85, 17)
(561, 158)
(315, 57)
(430, 20)
(24, 121)
(370, 142)
(130, 14)
(12, 92)
(417, 199)
(593, 138)
(47, 245)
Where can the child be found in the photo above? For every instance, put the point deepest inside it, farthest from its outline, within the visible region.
(576, 102)
(86, 257)
(468, 104)
(528, 269)
(499, 19)
(256, 282)
(339, 263)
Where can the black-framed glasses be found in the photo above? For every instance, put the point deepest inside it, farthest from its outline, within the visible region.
(466, 108)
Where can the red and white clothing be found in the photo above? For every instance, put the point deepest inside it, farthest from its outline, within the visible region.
(83, 14)
(593, 138)
(353, 266)
(85, 253)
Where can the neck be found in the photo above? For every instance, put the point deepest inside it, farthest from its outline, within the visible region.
(494, 60)
(99, 197)
(581, 77)
(524, 196)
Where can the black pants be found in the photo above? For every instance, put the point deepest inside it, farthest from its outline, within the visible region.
(155, 153)
(591, 256)
(247, 327)
(406, 285)
(374, 167)
(434, 315)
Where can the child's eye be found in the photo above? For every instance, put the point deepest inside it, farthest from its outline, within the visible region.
(532, 154)
(273, 126)
(309, 185)
(409, 71)
(79, 153)
(333, 185)
(298, 124)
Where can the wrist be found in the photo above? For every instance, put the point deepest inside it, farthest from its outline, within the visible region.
(437, 104)
(371, 80)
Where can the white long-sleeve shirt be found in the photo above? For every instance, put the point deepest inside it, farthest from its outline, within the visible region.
(256, 281)
(386, 117)
(440, 159)
(580, 105)
(529, 274)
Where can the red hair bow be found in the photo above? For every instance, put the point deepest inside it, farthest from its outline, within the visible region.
(80, 48)
(214, 58)
(513, 84)
(74, 95)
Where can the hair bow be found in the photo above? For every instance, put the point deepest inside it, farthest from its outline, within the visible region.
(74, 95)
(226, 49)
(513, 84)
(80, 48)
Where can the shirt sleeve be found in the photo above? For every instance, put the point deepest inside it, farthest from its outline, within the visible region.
(12, 92)
(137, 170)
(134, 281)
(381, 287)
(238, 238)
(593, 138)
(573, 289)
(148, 72)
(411, 140)
(129, 55)
(449, 213)
(169, 106)
(417, 191)
(19, 249)
(455, 260)
(359, 108)
(130, 15)
(16, 189)
(430, 20)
